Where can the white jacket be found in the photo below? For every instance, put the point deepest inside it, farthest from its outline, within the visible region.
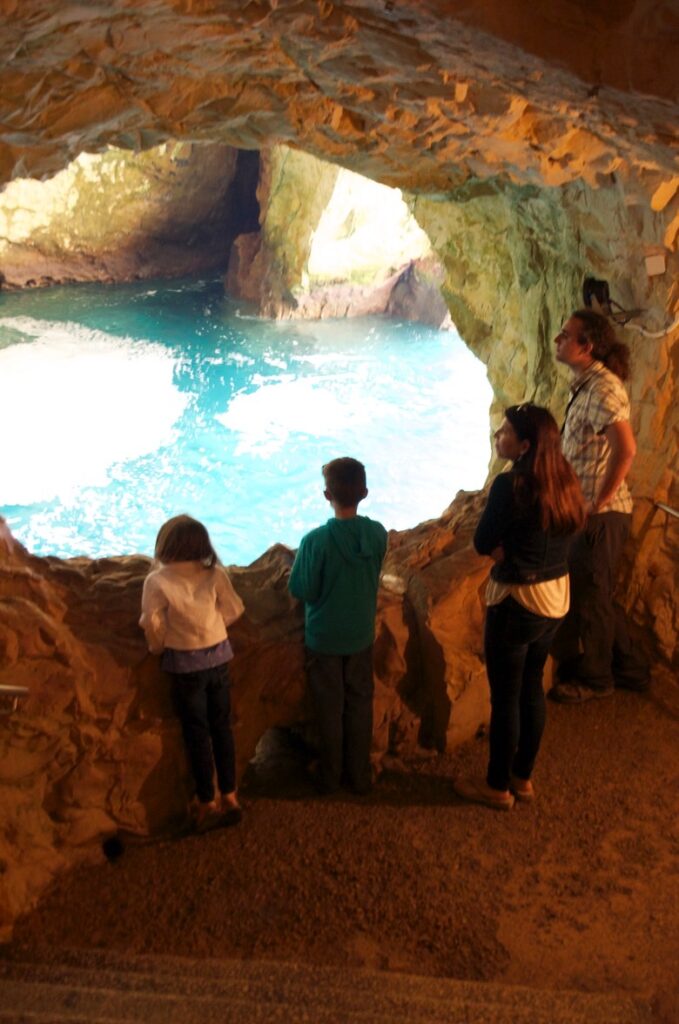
(186, 606)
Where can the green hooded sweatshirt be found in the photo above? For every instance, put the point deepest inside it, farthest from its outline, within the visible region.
(336, 573)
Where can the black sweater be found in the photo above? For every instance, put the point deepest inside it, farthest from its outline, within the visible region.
(531, 554)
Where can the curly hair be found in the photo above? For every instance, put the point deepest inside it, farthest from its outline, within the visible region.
(596, 330)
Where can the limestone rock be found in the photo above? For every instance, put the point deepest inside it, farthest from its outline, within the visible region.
(333, 244)
(96, 747)
(412, 94)
(417, 296)
(537, 146)
(120, 217)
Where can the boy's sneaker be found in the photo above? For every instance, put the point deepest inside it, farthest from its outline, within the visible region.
(322, 787)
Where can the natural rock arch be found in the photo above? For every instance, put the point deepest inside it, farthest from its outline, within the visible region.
(547, 172)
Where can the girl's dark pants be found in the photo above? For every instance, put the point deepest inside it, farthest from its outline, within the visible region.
(203, 703)
(342, 692)
(516, 644)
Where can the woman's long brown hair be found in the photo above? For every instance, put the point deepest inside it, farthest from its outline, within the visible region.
(543, 476)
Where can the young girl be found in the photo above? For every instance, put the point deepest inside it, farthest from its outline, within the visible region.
(532, 513)
(187, 604)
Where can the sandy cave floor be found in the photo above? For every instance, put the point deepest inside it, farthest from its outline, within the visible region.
(580, 890)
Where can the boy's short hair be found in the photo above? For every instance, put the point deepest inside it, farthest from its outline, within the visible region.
(345, 481)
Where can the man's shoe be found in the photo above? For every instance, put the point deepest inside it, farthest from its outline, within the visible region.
(360, 788)
(479, 792)
(577, 693)
(634, 685)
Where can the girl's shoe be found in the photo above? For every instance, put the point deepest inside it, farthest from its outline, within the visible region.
(479, 792)
(204, 815)
(229, 802)
(522, 789)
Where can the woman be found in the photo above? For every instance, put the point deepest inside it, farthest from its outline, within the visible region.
(532, 513)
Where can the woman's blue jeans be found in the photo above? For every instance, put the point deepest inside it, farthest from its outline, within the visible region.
(516, 644)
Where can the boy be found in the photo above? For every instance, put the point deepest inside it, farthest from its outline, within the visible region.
(336, 573)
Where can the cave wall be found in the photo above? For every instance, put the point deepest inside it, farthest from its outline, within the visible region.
(549, 94)
(536, 144)
(120, 216)
(267, 264)
(513, 259)
(331, 243)
(96, 749)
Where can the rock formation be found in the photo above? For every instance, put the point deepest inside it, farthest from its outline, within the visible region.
(120, 217)
(96, 748)
(333, 244)
(536, 147)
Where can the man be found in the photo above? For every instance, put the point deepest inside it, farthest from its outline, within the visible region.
(593, 646)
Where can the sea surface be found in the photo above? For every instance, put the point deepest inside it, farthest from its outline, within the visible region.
(123, 405)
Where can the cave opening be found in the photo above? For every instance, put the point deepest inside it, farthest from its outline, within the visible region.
(174, 393)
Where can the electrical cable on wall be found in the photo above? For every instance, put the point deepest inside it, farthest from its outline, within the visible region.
(652, 334)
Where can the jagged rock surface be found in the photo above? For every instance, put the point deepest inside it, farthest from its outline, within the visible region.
(120, 217)
(527, 165)
(96, 747)
(425, 94)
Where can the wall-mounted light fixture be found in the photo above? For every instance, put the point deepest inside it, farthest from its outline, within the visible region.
(596, 295)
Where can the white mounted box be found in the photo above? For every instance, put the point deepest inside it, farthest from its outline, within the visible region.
(655, 264)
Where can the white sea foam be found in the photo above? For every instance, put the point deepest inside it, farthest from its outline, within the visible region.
(265, 418)
(73, 402)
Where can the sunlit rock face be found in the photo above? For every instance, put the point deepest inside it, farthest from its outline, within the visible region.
(120, 216)
(473, 90)
(332, 243)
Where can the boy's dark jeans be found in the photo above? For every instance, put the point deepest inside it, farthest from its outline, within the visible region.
(516, 644)
(342, 692)
(593, 645)
(203, 703)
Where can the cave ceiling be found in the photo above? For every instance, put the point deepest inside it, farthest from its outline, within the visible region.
(421, 95)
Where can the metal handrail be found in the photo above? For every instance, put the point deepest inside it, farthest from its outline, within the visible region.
(666, 508)
(13, 694)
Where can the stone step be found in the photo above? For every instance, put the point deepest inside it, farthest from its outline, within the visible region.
(70, 986)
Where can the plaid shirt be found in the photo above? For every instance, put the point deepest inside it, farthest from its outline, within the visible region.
(598, 399)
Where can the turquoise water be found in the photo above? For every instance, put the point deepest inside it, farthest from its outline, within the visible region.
(123, 405)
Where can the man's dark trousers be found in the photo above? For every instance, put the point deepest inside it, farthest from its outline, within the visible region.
(593, 645)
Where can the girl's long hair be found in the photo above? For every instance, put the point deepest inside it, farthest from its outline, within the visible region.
(183, 539)
(543, 476)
